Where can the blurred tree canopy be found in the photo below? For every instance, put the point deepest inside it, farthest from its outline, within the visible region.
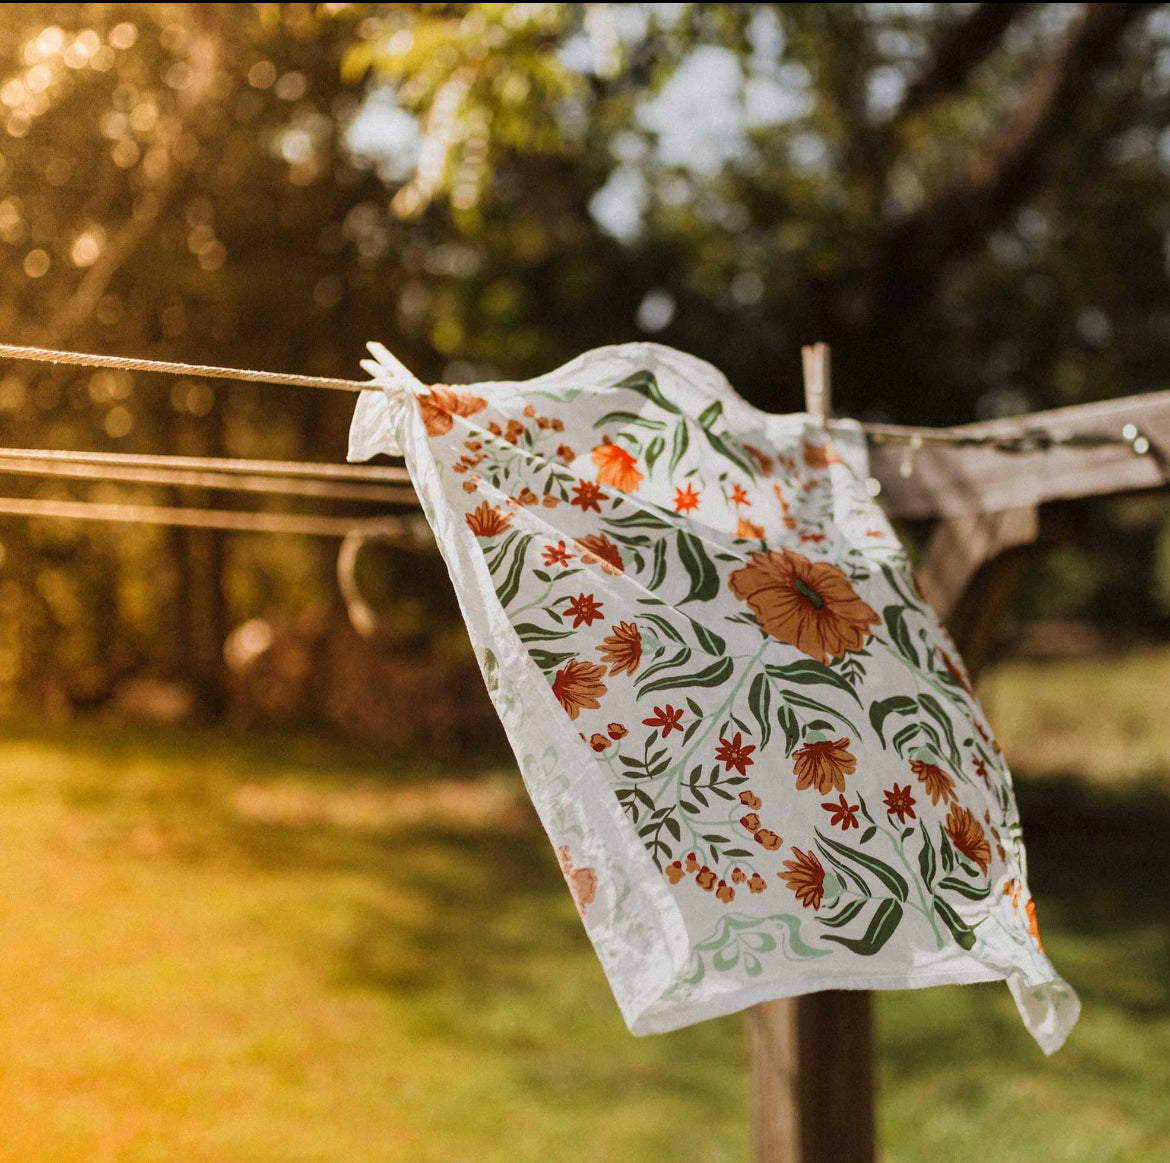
(968, 201)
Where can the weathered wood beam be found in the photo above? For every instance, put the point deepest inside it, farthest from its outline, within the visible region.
(955, 480)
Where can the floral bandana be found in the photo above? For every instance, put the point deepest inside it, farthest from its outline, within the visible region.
(753, 745)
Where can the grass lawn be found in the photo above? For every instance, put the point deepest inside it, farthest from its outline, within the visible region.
(276, 948)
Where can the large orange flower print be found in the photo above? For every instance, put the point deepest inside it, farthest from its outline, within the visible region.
(488, 521)
(823, 765)
(597, 549)
(578, 686)
(442, 404)
(968, 837)
(615, 466)
(582, 881)
(806, 877)
(939, 785)
(809, 605)
(623, 648)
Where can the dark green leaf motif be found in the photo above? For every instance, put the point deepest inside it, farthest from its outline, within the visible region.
(700, 568)
(883, 708)
(882, 926)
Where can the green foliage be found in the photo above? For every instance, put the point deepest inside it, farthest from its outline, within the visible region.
(188, 182)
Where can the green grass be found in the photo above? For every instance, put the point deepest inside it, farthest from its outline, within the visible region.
(274, 948)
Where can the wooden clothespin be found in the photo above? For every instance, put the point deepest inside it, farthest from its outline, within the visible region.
(817, 398)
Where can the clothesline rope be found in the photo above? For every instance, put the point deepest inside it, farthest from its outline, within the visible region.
(230, 482)
(304, 524)
(168, 367)
(301, 469)
(1023, 440)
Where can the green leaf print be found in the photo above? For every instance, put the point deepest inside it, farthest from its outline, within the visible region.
(892, 879)
(807, 671)
(883, 708)
(714, 675)
(882, 927)
(700, 568)
(895, 618)
(646, 384)
(760, 705)
(963, 934)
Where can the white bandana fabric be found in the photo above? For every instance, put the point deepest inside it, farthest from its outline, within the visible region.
(754, 747)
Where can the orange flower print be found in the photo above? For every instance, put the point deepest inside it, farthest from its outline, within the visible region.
(565, 454)
(956, 673)
(527, 497)
(738, 875)
(748, 531)
(674, 872)
(529, 411)
(582, 881)
(981, 770)
(586, 496)
(968, 837)
(811, 606)
(685, 500)
(900, 803)
(488, 521)
(549, 501)
(751, 821)
(472, 483)
(578, 686)
(514, 431)
(584, 609)
(939, 785)
(725, 892)
(806, 877)
(842, 813)
(1033, 927)
(442, 404)
(768, 838)
(823, 765)
(813, 538)
(558, 425)
(692, 862)
(749, 799)
(757, 883)
(596, 548)
(739, 496)
(617, 731)
(557, 554)
(765, 462)
(734, 753)
(615, 466)
(598, 742)
(819, 456)
(622, 649)
(668, 718)
(705, 879)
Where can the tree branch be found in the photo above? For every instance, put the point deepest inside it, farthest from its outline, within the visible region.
(960, 49)
(957, 220)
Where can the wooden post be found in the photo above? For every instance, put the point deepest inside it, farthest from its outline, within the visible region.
(810, 1058)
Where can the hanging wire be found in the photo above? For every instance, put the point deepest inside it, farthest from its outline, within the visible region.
(12, 462)
(305, 469)
(299, 523)
(127, 363)
(1024, 440)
